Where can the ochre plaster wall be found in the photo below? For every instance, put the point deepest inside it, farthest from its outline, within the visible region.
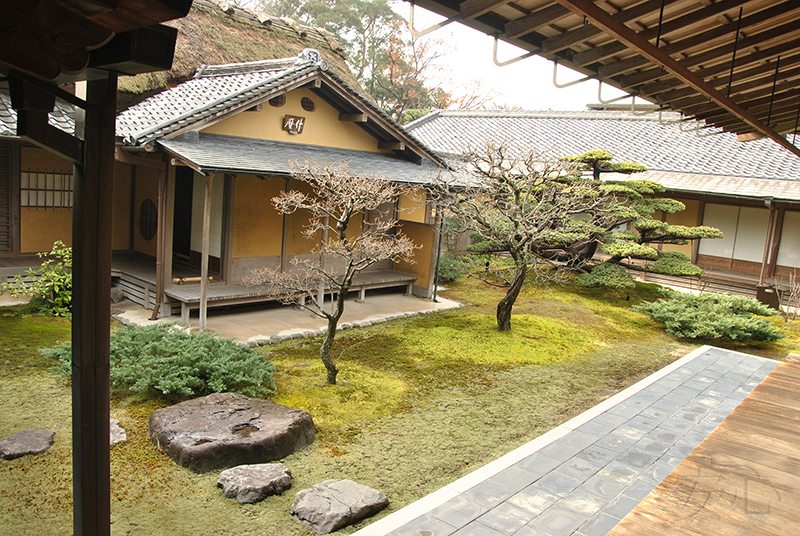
(257, 226)
(40, 227)
(688, 218)
(36, 159)
(122, 206)
(146, 187)
(421, 235)
(322, 126)
(412, 204)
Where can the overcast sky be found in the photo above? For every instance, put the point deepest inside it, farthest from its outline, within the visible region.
(527, 83)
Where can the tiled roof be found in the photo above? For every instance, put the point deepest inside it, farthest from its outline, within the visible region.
(216, 153)
(640, 138)
(217, 90)
(214, 90)
(62, 117)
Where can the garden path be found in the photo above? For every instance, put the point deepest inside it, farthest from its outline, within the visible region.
(583, 477)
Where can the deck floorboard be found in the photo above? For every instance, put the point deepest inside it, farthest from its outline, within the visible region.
(743, 479)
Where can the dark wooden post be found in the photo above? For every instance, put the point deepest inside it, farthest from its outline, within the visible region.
(91, 242)
(204, 257)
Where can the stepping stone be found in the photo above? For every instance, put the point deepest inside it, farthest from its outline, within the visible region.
(26, 442)
(334, 504)
(224, 430)
(252, 483)
(116, 432)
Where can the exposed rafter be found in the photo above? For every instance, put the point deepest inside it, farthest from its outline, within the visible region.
(619, 31)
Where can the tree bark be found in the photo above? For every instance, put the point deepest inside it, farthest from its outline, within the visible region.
(325, 351)
(333, 323)
(507, 303)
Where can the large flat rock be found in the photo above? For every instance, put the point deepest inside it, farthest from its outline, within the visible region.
(26, 442)
(224, 430)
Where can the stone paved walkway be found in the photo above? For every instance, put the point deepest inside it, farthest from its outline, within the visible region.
(583, 477)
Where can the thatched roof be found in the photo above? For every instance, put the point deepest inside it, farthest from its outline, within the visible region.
(216, 33)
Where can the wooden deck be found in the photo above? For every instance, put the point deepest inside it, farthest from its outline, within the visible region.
(221, 295)
(743, 479)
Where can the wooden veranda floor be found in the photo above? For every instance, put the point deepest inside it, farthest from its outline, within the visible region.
(743, 479)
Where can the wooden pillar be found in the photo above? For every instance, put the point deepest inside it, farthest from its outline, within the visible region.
(169, 225)
(285, 233)
(204, 253)
(91, 273)
(767, 246)
(776, 241)
(701, 212)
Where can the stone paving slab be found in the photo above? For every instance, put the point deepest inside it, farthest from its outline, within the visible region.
(583, 477)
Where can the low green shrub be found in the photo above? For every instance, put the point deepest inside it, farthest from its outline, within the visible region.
(50, 287)
(449, 269)
(674, 263)
(161, 361)
(713, 317)
(606, 275)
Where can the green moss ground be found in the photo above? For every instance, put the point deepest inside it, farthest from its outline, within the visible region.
(421, 402)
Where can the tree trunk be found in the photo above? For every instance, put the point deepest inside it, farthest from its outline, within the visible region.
(325, 350)
(333, 322)
(506, 304)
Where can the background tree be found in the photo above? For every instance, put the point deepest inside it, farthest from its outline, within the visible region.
(523, 205)
(637, 229)
(403, 74)
(339, 203)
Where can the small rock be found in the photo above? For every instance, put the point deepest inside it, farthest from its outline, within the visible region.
(117, 433)
(275, 339)
(334, 504)
(262, 342)
(252, 344)
(26, 442)
(365, 324)
(309, 333)
(252, 483)
(117, 295)
(346, 325)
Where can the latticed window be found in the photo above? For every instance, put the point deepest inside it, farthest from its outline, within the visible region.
(46, 190)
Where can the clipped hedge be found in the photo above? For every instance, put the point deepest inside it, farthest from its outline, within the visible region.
(713, 317)
(606, 275)
(161, 361)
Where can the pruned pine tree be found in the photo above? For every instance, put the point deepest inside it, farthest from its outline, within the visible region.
(638, 229)
(338, 207)
(527, 207)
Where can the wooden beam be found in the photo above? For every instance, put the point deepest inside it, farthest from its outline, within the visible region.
(752, 136)
(204, 253)
(392, 145)
(618, 30)
(355, 118)
(721, 69)
(604, 51)
(533, 21)
(567, 39)
(471, 9)
(715, 56)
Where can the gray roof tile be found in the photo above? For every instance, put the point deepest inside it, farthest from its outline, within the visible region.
(62, 117)
(638, 138)
(217, 153)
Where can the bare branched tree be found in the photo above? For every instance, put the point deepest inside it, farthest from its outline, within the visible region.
(348, 214)
(525, 205)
